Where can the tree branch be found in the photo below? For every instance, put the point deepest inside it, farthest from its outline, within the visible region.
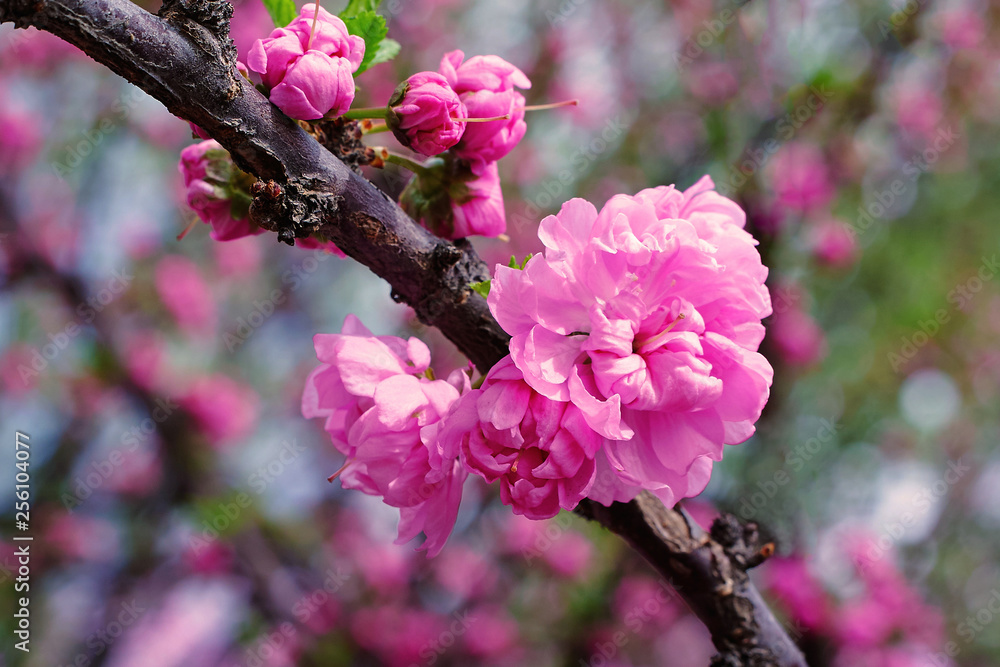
(184, 58)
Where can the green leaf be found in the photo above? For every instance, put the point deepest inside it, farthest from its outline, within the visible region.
(482, 289)
(371, 27)
(282, 12)
(387, 50)
(355, 7)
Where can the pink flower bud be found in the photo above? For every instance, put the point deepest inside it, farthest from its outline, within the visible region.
(207, 170)
(485, 84)
(315, 85)
(481, 213)
(331, 35)
(426, 115)
(309, 71)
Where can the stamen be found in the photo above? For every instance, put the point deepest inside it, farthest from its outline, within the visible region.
(187, 229)
(337, 474)
(553, 105)
(312, 30)
(652, 342)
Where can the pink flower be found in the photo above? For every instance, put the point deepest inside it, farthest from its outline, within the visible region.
(208, 171)
(426, 115)
(353, 363)
(309, 73)
(315, 85)
(800, 178)
(185, 293)
(224, 409)
(383, 412)
(834, 244)
(646, 316)
(541, 451)
(486, 85)
(456, 200)
(480, 211)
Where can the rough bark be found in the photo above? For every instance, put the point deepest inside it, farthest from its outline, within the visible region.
(184, 58)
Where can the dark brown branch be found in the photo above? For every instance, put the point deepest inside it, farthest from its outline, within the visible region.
(184, 58)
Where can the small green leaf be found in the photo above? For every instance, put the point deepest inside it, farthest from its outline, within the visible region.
(387, 50)
(514, 265)
(282, 12)
(355, 7)
(370, 27)
(482, 289)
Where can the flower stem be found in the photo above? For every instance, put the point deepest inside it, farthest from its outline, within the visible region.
(553, 105)
(365, 112)
(368, 127)
(401, 160)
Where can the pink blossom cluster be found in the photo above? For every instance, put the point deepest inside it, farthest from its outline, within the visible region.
(633, 361)
(308, 66)
(434, 112)
(216, 190)
(429, 111)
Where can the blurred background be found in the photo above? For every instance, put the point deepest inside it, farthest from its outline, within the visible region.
(180, 506)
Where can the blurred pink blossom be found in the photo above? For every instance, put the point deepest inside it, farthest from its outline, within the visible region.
(833, 243)
(800, 177)
(797, 337)
(186, 295)
(223, 409)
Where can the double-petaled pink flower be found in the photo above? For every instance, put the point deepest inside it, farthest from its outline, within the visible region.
(646, 316)
(541, 451)
(308, 66)
(384, 413)
(487, 87)
(426, 115)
